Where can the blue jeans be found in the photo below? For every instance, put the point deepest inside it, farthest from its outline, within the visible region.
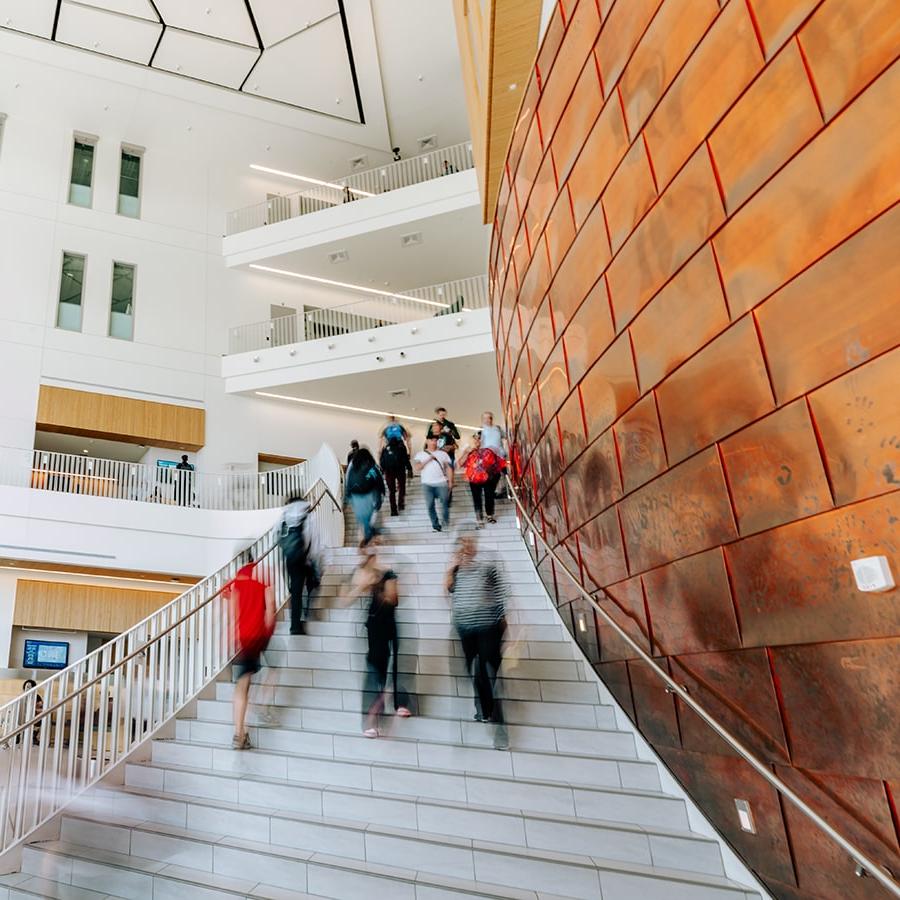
(433, 493)
(364, 506)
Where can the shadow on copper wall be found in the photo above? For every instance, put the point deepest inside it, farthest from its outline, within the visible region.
(695, 271)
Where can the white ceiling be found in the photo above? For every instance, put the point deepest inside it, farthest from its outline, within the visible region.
(466, 387)
(388, 67)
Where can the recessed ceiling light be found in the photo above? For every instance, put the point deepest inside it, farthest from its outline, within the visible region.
(513, 86)
(420, 77)
(337, 100)
(306, 178)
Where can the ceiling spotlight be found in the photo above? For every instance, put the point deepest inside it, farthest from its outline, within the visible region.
(379, 358)
(255, 359)
(331, 346)
(255, 87)
(459, 321)
(292, 352)
(96, 44)
(337, 100)
(402, 354)
(413, 330)
(190, 128)
(513, 86)
(268, 146)
(420, 77)
(371, 338)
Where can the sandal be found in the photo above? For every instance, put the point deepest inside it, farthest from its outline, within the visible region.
(403, 712)
(371, 733)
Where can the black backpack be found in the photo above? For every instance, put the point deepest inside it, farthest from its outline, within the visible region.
(362, 482)
(393, 457)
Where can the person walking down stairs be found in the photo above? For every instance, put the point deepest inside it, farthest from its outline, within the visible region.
(436, 473)
(364, 490)
(478, 600)
(380, 586)
(482, 467)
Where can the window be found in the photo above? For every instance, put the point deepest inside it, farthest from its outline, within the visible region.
(121, 312)
(82, 172)
(71, 286)
(130, 183)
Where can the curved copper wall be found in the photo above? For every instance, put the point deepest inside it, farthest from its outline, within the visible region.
(696, 268)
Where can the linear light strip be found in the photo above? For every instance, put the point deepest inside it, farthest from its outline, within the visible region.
(309, 180)
(344, 284)
(357, 409)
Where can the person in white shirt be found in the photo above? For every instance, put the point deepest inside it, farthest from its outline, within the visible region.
(436, 472)
(493, 437)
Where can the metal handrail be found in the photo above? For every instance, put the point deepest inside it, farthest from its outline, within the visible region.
(71, 473)
(351, 188)
(865, 865)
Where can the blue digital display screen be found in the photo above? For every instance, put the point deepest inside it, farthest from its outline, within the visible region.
(46, 654)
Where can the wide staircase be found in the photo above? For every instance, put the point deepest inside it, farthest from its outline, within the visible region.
(429, 810)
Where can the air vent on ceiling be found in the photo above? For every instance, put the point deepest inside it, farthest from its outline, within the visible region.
(339, 256)
(401, 392)
(411, 239)
(359, 162)
(429, 142)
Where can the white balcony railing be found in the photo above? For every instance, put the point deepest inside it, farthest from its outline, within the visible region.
(69, 473)
(359, 186)
(375, 311)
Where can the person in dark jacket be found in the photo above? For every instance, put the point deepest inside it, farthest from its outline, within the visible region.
(364, 490)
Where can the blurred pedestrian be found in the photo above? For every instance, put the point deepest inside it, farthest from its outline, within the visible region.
(493, 437)
(478, 600)
(482, 467)
(354, 446)
(184, 482)
(394, 459)
(364, 490)
(28, 685)
(295, 541)
(436, 472)
(253, 604)
(378, 587)
(448, 434)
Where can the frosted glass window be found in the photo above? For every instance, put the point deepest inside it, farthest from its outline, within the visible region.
(71, 287)
(121, 313)
(80, 192)
(130, 184)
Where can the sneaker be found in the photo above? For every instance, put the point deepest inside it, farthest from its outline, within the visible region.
(403, 712)
(492, 520)
(501, 738)
(478, 717)
(371, 733)
(436, 528)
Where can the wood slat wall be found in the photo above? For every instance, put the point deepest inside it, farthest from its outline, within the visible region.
(83, 607)
(106, 416)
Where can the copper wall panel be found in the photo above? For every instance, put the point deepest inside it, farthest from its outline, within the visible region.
(687, 313)
(841, 701)
(711, 80)
(640, 443)
(791, 224)
(690, 605)
(858, 417)
(610, 387)
(680, 513)
(682, 219)
(675, 31)
(719, 390)
(847, 43)
(794, 584)
(629, 194)
(776, 116)
(838, 314)
(728, 560)
(774, 470)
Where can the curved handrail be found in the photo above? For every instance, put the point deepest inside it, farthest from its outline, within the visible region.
(865, 865)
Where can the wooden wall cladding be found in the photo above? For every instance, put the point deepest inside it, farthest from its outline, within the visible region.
(695, 274)
(116, 418)
(84, 607)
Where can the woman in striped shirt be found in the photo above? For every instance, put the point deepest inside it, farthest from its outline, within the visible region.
(478, 600)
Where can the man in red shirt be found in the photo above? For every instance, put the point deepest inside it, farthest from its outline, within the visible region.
(253, 603)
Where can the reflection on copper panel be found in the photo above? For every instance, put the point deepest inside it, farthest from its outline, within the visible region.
(690, 605)
(533, 416)
(560, 229)
(554, 382)
(529, 163)
(624, 604)
(610, 387)
(571, 425)
(775, 471)
(640, 443)
(540, 338)
(841, 701)
(547, 458)
(680, 513)
(615, 676)
(593, 481)
(838, 314)
(737, 689)
(628, 195)
(556, 28)
(777, 20)
(655, 709)
(774, 118)
(580, 35)
(583, 265)
(589, 331)
(716, 74)
(543, 196)
(534, 286)
(680, 222)
(672, 35)
(581, 113)
(719, 390)
(715, 782)
(621, 32)
(553, 508)
(687, 313)
(602, 553)
(858, 418)
(847, 45)
(604, 147)
(570, 557)
(520, 129)
(785, 227)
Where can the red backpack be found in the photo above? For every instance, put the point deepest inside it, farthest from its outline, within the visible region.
(482, 465)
